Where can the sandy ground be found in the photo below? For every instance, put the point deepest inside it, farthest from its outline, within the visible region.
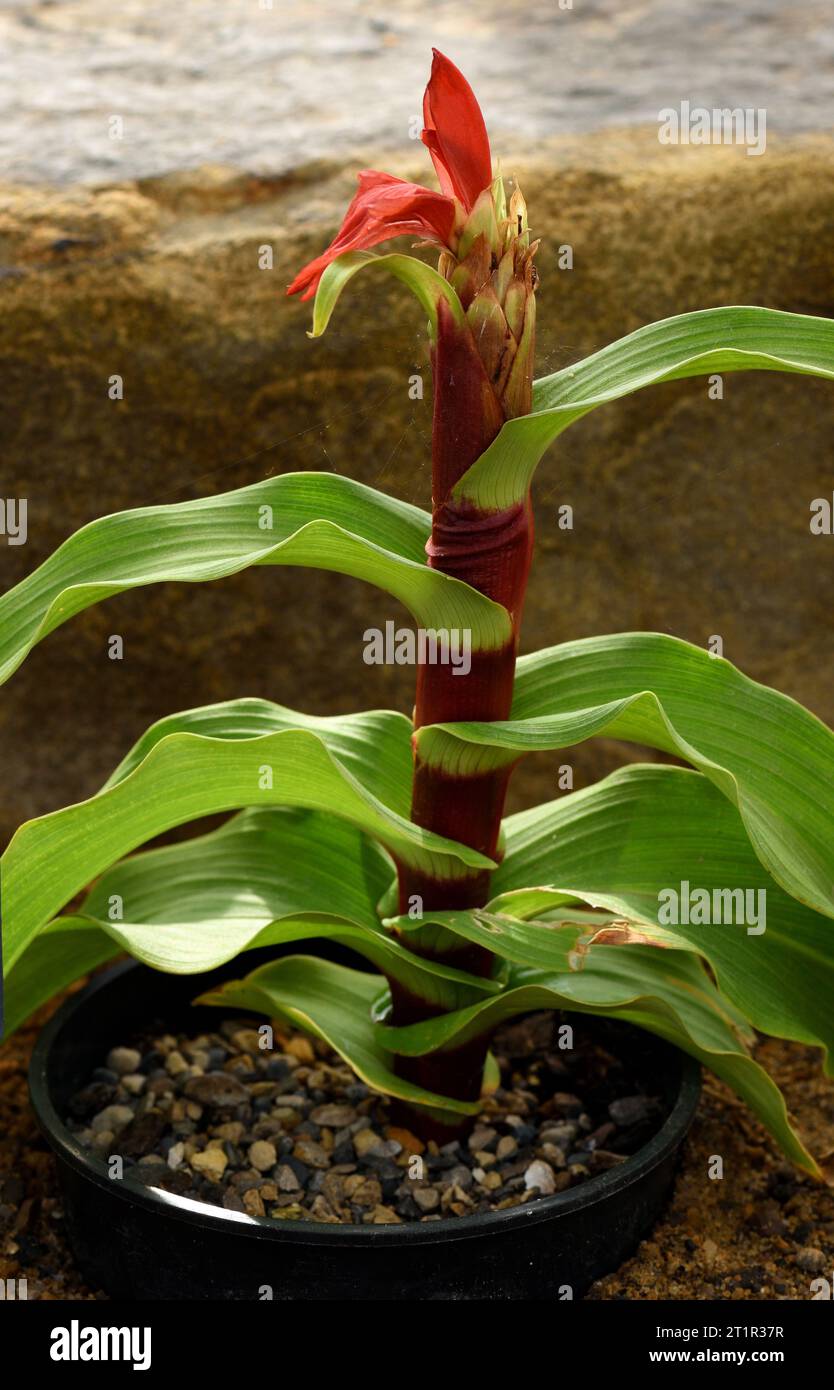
(761, 1232)
(270, 84)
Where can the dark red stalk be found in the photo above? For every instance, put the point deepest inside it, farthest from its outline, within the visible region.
(491, 551)
(482, 367)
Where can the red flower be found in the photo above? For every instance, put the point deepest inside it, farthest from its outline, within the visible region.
(384, 206)
(455, 134)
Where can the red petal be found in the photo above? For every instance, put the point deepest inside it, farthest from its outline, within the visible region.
(383, 207)
(455, 134)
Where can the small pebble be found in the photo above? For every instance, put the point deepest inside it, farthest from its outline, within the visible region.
(367, 1141)
(561, 1135)
(122, 1060)
(385, 1216)
(309, 1152)
(217, 1088)
(286, 1179)
(211, 1162)
(253, 1202)
(540, 1177)
(175, 1063)
(427, 1198)
(134, 1083)
(811, 1259)
(247, 1040)
(262, 1155)
(362, 1191)
(302, 1049)
(232, 1129)
(113, 1118)
(143, 1134)
(333, 1116)
(176, 1153)
(630, 1110)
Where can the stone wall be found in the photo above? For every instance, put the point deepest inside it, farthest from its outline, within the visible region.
(691, 515)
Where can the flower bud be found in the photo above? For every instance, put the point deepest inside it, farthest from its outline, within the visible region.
(481, 221)
(495, 280)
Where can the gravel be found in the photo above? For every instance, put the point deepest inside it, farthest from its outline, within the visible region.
(292, 1134)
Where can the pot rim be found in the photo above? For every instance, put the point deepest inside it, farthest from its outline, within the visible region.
(189, 1210)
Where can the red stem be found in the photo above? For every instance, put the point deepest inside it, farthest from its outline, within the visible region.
(491, 551)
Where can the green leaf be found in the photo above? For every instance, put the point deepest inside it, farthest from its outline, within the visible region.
(644, 831)
(374, 746)
(732, 339)
(667, 992)
(62, 953)
(185, 776)
(317, 520)
(191, 906)
(337, 1005)
(546, 943)
(772, 759)
(423, 281)
(265, 878)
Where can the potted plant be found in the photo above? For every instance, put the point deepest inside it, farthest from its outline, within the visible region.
(687, 903)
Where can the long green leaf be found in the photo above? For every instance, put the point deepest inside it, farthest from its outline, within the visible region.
(645, 830)
(770, 757)
(258, 866)
(737, 338)
(664, 991)
(373, 745)
(265, 878)
(183, 908)
(317, 520)
(335, 1004)
(185, 776)
(543, 943)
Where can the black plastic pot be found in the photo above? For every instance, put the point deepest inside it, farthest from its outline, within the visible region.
(137, 1242)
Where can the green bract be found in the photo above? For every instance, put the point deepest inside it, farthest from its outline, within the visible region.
(321, 807)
